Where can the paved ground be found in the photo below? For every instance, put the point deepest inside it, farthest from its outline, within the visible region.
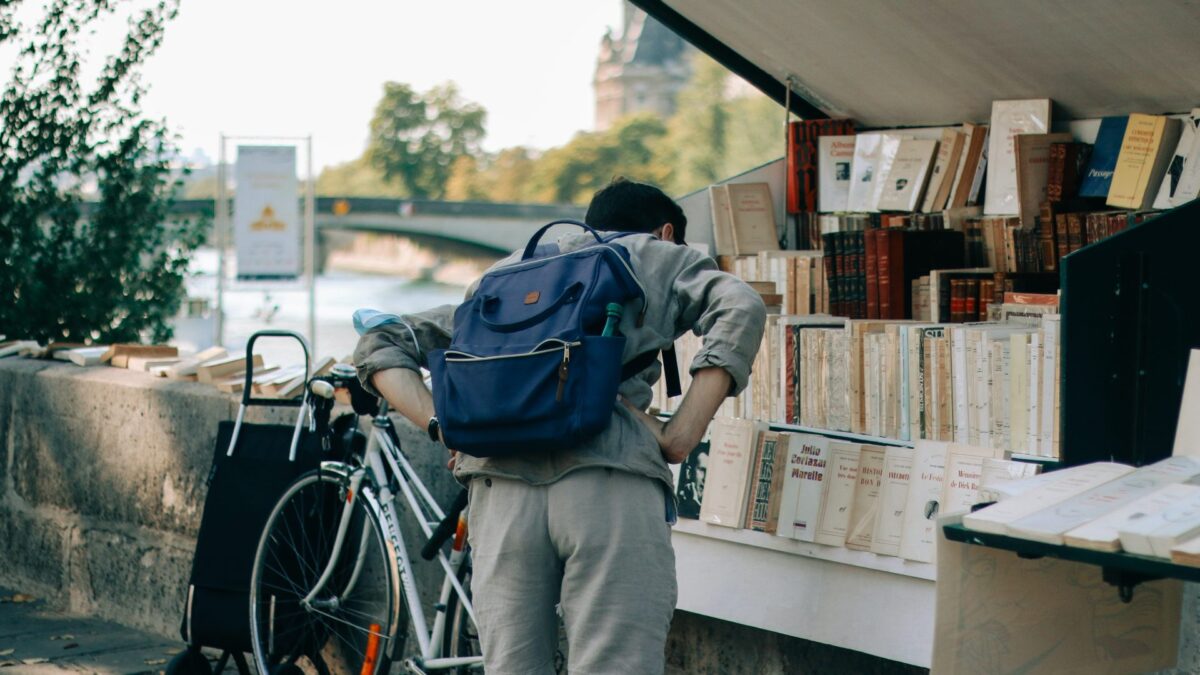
(38, 641)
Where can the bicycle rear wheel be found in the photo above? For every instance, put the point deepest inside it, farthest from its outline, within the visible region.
(354, 624)
(461, 636)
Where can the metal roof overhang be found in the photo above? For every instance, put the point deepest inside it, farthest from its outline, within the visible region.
(935, 62)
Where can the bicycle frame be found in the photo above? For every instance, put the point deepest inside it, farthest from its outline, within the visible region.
(384, 464)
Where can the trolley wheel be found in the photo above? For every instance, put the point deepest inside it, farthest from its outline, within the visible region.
(189, 662)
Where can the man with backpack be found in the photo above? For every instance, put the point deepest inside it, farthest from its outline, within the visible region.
(585, 522)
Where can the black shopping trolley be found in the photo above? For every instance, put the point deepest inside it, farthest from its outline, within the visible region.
(252, 466)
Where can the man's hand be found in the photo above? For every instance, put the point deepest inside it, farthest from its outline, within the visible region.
(679, 436)
(407, 394)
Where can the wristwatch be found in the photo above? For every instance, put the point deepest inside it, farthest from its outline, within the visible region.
(434, 428)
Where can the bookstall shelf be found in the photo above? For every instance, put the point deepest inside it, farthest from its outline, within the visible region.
(1124, 570)
(852, 599)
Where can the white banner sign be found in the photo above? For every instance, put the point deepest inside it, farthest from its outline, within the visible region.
(266, 212)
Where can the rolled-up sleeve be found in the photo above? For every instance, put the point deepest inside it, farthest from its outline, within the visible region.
(403, 345)
(726, 313)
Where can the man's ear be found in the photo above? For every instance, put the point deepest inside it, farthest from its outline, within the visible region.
(667, 232)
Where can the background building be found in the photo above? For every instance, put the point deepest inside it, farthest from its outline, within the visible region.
(640, 70)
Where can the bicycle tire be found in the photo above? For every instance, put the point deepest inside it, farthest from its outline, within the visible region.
(460, 637)
(337, 636)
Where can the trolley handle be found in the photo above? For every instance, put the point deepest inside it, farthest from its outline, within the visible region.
(247, 391)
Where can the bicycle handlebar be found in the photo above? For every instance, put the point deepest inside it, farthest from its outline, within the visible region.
(446, 528)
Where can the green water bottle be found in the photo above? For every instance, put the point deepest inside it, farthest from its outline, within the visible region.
(613, 311)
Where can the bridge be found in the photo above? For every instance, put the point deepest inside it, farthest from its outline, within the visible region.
(495, 226)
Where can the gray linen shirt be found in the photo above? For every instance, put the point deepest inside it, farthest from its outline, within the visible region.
(684, 292)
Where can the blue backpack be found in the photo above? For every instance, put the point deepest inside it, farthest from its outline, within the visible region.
(527, 367)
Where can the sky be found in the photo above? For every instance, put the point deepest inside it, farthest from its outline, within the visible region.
(273, 68)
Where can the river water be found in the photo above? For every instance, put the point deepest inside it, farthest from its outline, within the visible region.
(254, 305)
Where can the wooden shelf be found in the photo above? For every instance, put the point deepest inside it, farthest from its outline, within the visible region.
(833, 554)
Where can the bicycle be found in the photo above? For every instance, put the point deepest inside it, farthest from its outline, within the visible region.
(332, 589)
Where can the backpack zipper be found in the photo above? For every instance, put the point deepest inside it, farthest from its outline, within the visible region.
(562, 344)
(562, 373)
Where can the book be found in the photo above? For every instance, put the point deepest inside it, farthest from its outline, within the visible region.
(752, 216)
(972, 164)
(187, 367)
(941, 177)
(1068, 163)
(1189, 178)
(1103, 160)
(118, 355)
(838, 498)
(1032, 173)
(1164, 198)
(805, 162)
(766, 479)
(922, 504)
(1051, 524)
(999, 517)
(803, 486)
(1146, 151)
(1104, 533)
(143, 364)
(85, 356)
(964, 469)
(1156, 532)
(905, 255)
(1187, 553)
(689, 490)
(864, 510)
(1009, 120)
(893, 499)
(222, 369)
(722, 217)
(727, 483)
(836, 155)
(904, 185)
(863, 169)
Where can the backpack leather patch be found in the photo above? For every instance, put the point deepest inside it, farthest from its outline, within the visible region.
(532, 297)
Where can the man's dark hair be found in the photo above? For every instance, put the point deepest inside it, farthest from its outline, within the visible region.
(628, 206)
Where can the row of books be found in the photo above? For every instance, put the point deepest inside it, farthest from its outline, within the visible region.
(1011, 166)
(214, 366)
(1153, 510)
(992, 383)
(861, 496)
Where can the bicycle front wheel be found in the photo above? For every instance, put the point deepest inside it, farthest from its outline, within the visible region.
(352, 624)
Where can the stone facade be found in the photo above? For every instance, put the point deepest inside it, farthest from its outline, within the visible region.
(640, 70)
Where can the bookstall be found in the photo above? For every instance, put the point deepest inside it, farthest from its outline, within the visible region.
(974, 282)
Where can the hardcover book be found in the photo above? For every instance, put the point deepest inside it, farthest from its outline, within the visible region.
(906, 180)
(838, 499)
(865, 509)
(1099, 172)
(728, 479)
(836, 156)
(1009, 120)
(1146, 152)
(803, 486)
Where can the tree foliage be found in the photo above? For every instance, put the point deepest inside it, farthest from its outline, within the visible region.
(415, 138)
(109, 270)
(428, 145)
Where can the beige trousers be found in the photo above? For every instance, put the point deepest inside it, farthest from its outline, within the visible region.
(597, 541)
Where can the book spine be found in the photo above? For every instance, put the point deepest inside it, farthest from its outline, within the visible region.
(1074, 232)
(873, 305)
(860, 274)
(971, 306)
(1074, 165)
(1061, 237)
(793, 174)
(987, 290)
(883, 249)
(1055, 170)
(829, 260)
(958, 300)
(1047, 246)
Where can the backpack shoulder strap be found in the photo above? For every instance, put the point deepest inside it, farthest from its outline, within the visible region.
(670, 368)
